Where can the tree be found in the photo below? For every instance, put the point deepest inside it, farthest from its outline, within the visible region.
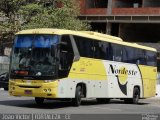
(28, 14)
(10, 8)
(57, 14)
(24, 14)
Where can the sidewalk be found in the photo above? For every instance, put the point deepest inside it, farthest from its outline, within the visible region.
(158, 91)
(156, 99)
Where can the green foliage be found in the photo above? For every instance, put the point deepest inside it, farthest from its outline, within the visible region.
(9, 7)
(40, 16)
(9, 10)
(24, 15)
(20, 14)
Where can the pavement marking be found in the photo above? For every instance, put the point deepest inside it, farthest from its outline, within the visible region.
(107, 108)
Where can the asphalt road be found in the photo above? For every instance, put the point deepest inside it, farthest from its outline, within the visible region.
(27, 105)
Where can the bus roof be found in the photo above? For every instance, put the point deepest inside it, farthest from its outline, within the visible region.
(87, 34)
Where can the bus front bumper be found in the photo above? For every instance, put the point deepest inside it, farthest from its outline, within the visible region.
(45, 90)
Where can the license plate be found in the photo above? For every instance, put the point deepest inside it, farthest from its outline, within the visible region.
(28, 81)
(29, 92)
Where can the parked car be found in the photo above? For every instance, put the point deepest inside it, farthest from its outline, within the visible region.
(4, 79)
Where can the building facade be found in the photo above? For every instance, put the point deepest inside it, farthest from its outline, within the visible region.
(132, 20)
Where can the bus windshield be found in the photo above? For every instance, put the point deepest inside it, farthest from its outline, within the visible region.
(31, 58)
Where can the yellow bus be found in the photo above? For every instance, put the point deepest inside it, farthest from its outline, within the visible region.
(71, 65)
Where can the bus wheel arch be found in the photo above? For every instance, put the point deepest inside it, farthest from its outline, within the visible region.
(80, 92)
(84, 89)
(135, 96)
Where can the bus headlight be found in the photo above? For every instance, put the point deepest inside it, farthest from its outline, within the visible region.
(47, 90)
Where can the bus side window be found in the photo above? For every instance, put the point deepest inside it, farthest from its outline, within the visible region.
(151, 58)
(99, 52)
(117, 52)
(66, 56)
(141, 57)
(125, 55)
(131, 55)
(109, 51)
(85, 46)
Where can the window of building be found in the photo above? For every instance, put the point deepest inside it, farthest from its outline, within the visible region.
(127, 3)
(151, 3)
(97, 3)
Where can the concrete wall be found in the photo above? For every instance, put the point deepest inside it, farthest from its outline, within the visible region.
(137, 11)
(4, 64)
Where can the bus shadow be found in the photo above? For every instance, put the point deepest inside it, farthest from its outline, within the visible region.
(32, 104)
(86, 103)
(51, 104)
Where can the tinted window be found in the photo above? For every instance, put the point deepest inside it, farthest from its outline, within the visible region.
(85, 46)
(117, 52)
(66, 56)
(103, 50)
(141, 59)
(151, 58)
(100, 50)
(38, 41)
(110, 51)
(130, 54)
(125, 55)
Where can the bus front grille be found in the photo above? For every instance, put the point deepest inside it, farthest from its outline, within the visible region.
(29, 86)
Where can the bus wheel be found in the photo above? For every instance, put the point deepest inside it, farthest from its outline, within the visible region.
(103, 100)
(39, 101)
(135, 99)
(136, 95)
(77, 100)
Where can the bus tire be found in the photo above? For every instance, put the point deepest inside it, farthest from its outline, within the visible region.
(78, 95)
(136, 96)
(103, 100)
(39, 101)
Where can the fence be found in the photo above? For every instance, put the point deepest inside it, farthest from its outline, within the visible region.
(4, 67)
(4, 64)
